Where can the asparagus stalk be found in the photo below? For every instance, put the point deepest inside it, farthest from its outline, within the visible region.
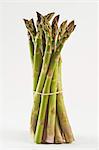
(45, 64)
(60, 103)
(29, 24)
(39, 42)
(45, 127)
(46, 89)
(63, 118)
(37, 54)
(39, 49)
(48, 18)
(37, 68)
(37, 59)
(31, 28)
(52, 109)
(58, 137)
(52, 98)
(61, 32)
(31, 47)
(54, 31)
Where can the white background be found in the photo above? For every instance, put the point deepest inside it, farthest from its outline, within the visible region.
(79, 74)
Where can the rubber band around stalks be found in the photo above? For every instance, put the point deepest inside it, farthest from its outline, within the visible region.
(49, 94)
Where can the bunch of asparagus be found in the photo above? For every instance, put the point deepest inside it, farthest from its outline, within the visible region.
(49, 122)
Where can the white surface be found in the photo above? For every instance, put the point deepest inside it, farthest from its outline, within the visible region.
(79, 74)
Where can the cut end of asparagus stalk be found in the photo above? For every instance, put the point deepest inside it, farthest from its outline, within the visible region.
(50, 140)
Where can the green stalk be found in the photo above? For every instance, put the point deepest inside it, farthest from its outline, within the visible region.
(52, 100)
(62, 29)
(53, 89)
(52, 108)
(48, 18)
(39, 49)
(63, 118)
(58, 137)
(37, 59)
(61, 32)
(60, 103)
(45, 64)
(31, 44)
(54, 31)
(31, 48)
(45, 127)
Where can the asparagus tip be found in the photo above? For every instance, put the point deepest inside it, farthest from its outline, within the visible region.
(52, 13)
(25, 20)
(39, 16)
(65, 21)
(58, 17)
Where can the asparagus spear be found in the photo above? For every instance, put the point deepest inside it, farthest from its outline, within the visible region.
(60, 103)
(31, 28)
(46, 60)
(38, 48)
(29, 24)
(31, 47)
(37, 52)
(37, 59)
(61, 30)
(52, 98)
(40, 39)
(63, 118)
(58, 137)
(46, 89)
(49, 16)
(52, 109)
(54, 31)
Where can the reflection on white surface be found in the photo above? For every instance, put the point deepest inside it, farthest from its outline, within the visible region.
(19, 139)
